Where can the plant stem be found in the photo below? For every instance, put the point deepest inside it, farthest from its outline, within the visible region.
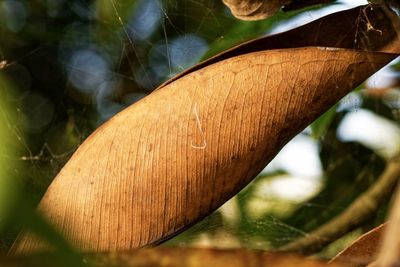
(352, 217)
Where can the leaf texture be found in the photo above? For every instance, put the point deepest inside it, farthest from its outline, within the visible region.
(172, 158)
(362, 251)
(254, 9)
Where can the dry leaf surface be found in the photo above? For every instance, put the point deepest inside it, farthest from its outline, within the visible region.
(175, 156)
(389, 252)
(262, 9)
(363, 250)
(254, 9)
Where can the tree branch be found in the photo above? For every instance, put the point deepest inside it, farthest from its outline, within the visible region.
(357, 213)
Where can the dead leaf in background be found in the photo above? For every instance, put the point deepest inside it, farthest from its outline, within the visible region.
(172, 158)
(363, 250)
(378, 247)
(389, 251)
(176, 257)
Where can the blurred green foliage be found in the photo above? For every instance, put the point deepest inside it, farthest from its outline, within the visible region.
(8, 185)
(70, 65)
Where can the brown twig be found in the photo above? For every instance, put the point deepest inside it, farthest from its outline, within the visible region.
(357, 213)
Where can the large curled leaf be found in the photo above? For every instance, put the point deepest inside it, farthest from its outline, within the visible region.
(175, 156)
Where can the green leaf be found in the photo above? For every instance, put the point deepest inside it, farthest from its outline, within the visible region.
(321, 125)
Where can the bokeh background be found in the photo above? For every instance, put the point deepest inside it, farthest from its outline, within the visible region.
(68, 66)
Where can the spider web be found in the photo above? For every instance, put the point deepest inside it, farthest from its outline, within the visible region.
(116, 52)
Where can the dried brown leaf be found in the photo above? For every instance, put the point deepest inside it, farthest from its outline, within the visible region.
(262, 9)
(366, 28)
(363, 250)
(254, 9)
(389, 253)
(175, 156)
(177, 257)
